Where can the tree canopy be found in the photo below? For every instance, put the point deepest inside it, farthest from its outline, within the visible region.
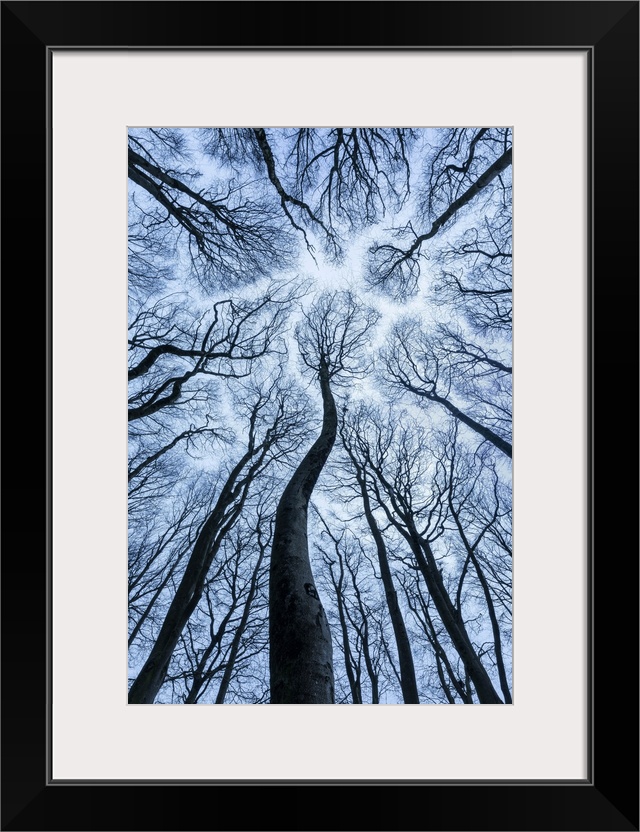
(320, 415)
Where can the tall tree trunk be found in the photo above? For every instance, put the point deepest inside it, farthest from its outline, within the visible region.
(500, 164)
(408, 682)
(153, 600)
(480, 429)
(237, 638)
(363, 632)
(405, 658)
(301, 656)
(228, 506)
(497, 639)
(442, 660)
(349, 662)
(452, 621)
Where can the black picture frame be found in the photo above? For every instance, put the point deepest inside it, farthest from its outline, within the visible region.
(608, 798)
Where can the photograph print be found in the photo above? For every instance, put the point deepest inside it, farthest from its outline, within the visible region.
(320, 415)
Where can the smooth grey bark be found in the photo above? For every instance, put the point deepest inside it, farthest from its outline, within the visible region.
(301, 655)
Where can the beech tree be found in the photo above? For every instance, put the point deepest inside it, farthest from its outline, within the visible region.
(329, 182)
(436, 369)
(158, 545)
(359, 619)
(473, 519)
(171, 347)
(330, 341)
(407, 676)
(231, 231)
(449, 189)
(224, 636)
(320, 314)
(274, 418)
(411, 498)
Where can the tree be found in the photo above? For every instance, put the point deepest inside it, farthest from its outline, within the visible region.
(451, 188)
(477, 515)
(233, 231)
(274, 419)
(407, 675)
(428, 367)
(242, 244)
(170, 346)
(158, 546)
(412, 500)
(475, 276)
(301, 657)
(358, 610)
(220, 642)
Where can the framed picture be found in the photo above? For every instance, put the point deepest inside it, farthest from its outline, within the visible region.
(564, 78)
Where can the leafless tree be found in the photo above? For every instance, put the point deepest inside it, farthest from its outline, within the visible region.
(407, 676)
(423, 365)
(477, 514)
(407, 483)
(329, 182)
(474, 275)
(330, 339)
(348, 576)
(159, 542)
(227, 630)
(402, 571)
(275, 423)
(464, 165)
(171, 349)
(233, 231)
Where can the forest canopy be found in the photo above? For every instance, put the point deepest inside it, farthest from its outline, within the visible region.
(320, 415)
